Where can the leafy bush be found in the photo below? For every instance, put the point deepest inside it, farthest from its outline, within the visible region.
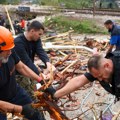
(64, 24)
(68, 3)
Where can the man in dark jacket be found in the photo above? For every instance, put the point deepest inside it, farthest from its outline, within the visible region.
(9, 90)
(27, 45)
(114, 30)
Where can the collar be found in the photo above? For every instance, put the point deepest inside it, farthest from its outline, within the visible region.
(110, 30)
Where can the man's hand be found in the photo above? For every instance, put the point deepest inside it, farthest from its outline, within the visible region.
(42, 78)
(51, 91)
(95, 51)
(50, 67)
(45, 77)
(28, 110)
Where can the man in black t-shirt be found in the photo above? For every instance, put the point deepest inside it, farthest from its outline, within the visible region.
(27, 45)
(105, 70)
(9, 90)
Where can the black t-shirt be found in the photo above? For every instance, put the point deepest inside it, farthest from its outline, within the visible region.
(26, 50)
(90, 77)
(7, 78)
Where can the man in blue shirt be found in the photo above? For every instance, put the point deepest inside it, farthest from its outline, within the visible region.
(9, 90)
(114, 30)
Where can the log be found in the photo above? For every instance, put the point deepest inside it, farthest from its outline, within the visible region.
(59, 35)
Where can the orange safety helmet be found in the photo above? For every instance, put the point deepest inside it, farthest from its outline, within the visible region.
(6, 39)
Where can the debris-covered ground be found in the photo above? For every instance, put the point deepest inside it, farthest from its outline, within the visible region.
(90, 102)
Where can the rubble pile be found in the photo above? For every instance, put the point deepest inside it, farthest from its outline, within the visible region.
(89, 102)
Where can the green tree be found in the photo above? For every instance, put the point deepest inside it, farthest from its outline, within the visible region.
(3, 1)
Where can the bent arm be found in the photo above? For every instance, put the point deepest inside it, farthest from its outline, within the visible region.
(26, 71)
(110, 49)
(113, 42)
(71, 86)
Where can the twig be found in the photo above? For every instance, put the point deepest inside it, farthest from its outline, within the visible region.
(82, 113)
(62, 53)
(94, 112)
(116, 116)
(44, 81)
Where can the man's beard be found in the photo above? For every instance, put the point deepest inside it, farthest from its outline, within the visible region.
(3, 60)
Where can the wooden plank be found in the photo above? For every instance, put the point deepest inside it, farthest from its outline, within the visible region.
(13, 31)
(59, 35)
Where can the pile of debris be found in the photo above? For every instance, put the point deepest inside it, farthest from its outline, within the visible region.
(89, 102)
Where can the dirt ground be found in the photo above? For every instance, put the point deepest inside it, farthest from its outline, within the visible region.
(98, 97)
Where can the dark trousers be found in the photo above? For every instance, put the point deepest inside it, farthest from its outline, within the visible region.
(22, 98)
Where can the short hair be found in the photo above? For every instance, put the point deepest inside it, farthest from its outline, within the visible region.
(36, 25)
(107, 22)
(94, 62)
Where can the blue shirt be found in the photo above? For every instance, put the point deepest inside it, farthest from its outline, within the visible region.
(8, 86)
(115, 36)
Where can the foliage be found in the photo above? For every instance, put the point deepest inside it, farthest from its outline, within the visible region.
(10, 1)
(64, 24)
(3, 1)
(49, 2)
(68, 3)
(76, 3)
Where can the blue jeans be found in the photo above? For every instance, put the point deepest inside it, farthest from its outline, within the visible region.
(22, 98)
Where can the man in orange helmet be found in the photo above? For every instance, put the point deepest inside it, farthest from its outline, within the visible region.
(9, 90)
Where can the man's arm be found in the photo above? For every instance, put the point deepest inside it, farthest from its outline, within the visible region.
(40, 52)
(50, 67)
(26, 110)
(8, 107)
(43, 56)
(71, 86)
(110, 49)
(113, 41)
(26, 71)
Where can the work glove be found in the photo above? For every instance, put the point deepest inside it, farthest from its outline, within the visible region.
(51, 91)
(28, 111)
(41, 78)
(42, 82)
(108, 55)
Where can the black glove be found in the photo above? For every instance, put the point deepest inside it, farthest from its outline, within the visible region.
(42, 82)
(51, 91)
(108, 55)
(28, 110)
